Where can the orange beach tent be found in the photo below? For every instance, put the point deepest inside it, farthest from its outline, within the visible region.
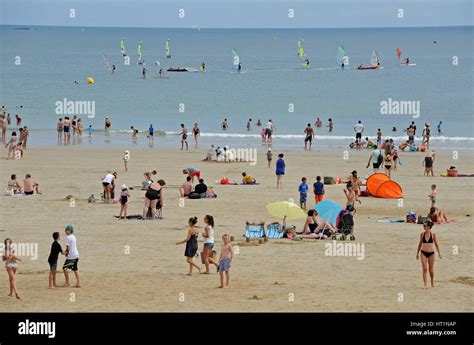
(380, 186)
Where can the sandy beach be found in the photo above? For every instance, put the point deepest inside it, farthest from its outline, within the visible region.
(279, 275)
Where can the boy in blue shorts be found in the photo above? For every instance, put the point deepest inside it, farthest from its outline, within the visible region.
(303, 189)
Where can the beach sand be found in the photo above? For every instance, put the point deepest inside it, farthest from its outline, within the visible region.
(279, 275)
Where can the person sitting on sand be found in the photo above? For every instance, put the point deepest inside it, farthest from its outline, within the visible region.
(14, 185)
(186, 188)
(247, 179)
(191, 244)
(428, 240)
(193, 172)
(437, 216)
(201, 188)
(30, 186)
(314, 225)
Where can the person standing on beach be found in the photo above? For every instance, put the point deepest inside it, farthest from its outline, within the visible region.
(432, 195)
(309, 136)
(184, 137)
(153, 198)
(191, 244)
(318, 190)
(126, 159)
(208, 235)
(11, 265)
(196, 134)
(4, 128)
(124, 196)
(269, 156)
(280, 170)
(428, 163)
(11, 145)
(330, 125)
(18, 120)
(107, 183)
(426, 246)
(376, 157)
(359, 129)
(53, 260)
(249, 125)
(351, 197)
(303, 189)
(72, 256)
(269, 131)
(225, 262)
(89, 131)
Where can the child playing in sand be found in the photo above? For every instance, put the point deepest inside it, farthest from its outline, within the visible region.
(11, 263)
(126, 158)
(124, 195)
(432, 195)
(269, 157)
(303, 189)
(225, 261)
(247, 179)
(191, 244)
(53, 260)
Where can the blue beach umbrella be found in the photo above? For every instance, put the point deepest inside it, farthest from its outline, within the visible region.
(328, 210)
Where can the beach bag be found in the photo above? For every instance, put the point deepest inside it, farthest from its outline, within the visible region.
(194, 195)
(210, 194)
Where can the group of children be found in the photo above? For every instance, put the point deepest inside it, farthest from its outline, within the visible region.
(318, 190)
(224, 263)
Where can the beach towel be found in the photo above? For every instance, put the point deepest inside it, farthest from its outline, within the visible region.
(274, 231)
(253, 231)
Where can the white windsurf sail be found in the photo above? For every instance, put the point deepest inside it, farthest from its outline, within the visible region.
(235, 60)
(374, 59)
(167, 49)
(139, 52)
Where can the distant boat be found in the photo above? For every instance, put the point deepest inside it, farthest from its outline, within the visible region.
(374, 62)
(404, 62)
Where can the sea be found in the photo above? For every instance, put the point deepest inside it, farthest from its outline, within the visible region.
(41, 66)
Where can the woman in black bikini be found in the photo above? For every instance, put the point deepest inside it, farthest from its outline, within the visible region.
(196, 132)
(153, 196)
(425, 246)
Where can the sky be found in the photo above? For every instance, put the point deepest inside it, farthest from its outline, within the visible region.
(237, 13)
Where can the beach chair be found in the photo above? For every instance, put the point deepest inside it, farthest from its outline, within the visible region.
(274, 231)
(254, 231)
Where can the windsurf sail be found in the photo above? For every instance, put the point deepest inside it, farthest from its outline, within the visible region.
(139, 52)
(107, 63)
(341, 57)
(122, 47)
(167, 49)
(300, 48)
(235, 59)
(374, 59)
(399, 53)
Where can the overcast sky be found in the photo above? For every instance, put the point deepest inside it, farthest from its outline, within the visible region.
(238, 13)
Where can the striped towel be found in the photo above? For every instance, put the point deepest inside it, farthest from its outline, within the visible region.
(273, 231)
(253, 231)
